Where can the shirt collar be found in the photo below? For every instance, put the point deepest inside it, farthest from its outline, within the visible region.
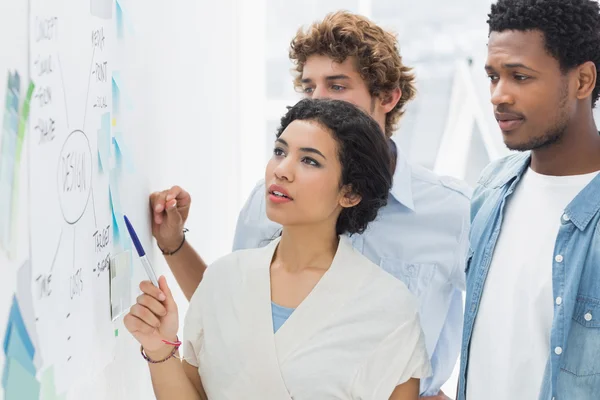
(585, 205)
(580, 211)
(402, 180)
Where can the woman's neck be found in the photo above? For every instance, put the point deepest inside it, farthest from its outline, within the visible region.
(306, 247)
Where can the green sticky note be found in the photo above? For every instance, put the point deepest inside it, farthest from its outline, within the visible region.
(48, 390)
(116, 332)
(20, 384)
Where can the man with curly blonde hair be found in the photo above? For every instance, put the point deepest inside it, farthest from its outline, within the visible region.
(420, 236)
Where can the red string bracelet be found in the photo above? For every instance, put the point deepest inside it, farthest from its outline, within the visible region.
(175, 345)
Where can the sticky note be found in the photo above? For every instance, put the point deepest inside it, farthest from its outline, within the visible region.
(15, 319)
(116, 94)
(123, 157)
(114, 212)
(123, 21)
(17, 350)
(120, 90)
(104, 141)
(20, 384)
(119, 228)
(101, 8)
(47, 386)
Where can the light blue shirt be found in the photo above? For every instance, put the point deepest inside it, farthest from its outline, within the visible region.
(279, 314)
(573, 368)
(420, 237)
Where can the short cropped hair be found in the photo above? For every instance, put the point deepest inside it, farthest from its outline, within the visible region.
(363, 152)
(571, 28)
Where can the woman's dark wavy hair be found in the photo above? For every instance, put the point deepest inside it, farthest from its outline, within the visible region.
(363, 152)
(571, 28)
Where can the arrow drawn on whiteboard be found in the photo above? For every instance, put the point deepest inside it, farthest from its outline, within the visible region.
(94, 205)
(87, 95)
(64, 90)
(45, 280)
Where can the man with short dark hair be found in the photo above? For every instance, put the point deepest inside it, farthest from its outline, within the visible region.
(532, 322)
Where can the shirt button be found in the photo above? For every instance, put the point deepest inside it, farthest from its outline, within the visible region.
(558, 350)
(566, 218)
(588, 317)
(559, 301)
(559, 258)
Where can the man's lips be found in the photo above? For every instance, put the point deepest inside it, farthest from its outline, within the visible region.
(509, 121)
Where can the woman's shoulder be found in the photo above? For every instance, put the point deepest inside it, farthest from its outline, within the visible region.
(386, 292)
(236, 262)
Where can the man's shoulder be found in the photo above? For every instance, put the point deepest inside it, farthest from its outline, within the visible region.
(430, 181)
(500, 171)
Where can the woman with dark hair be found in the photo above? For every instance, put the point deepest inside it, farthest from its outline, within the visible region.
(307, 316)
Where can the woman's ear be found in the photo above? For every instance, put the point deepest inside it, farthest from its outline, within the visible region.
(349, 197)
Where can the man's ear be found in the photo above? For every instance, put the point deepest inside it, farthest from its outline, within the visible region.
(388, 100)
(586, 79)
(350, 198)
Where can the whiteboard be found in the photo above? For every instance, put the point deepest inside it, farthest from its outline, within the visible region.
(168, 95)
(82, 180)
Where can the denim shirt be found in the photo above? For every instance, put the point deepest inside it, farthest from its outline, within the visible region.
(573, 368)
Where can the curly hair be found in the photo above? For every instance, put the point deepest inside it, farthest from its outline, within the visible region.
(341, 35)
(363, 153)
(571, 28)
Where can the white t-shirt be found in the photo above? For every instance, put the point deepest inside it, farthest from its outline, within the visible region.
(355, 336)
(510, 344)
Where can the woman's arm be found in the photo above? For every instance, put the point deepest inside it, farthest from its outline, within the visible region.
(174, 379)
(194, 377)
(153, 320)
(407, 391)
(188, 268)
(170, 211)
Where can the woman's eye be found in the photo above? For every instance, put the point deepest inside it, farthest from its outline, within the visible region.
(310, 161)
(278, 151)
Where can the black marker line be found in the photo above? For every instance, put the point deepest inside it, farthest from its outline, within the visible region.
(94, 203)
(74, 238)
(64, 89)
(87, 96)
(56, 252)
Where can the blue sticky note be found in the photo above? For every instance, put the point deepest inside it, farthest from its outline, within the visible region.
(104, 141)
(119, 228)
(114, 210)
(120, 91)
(120, 22)
(116, 94)
(124, 157)
(20, 385)
(15, 319)
(123, 21)
(16, 349)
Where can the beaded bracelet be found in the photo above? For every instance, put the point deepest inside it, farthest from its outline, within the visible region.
(175, 345)
(170, 253)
